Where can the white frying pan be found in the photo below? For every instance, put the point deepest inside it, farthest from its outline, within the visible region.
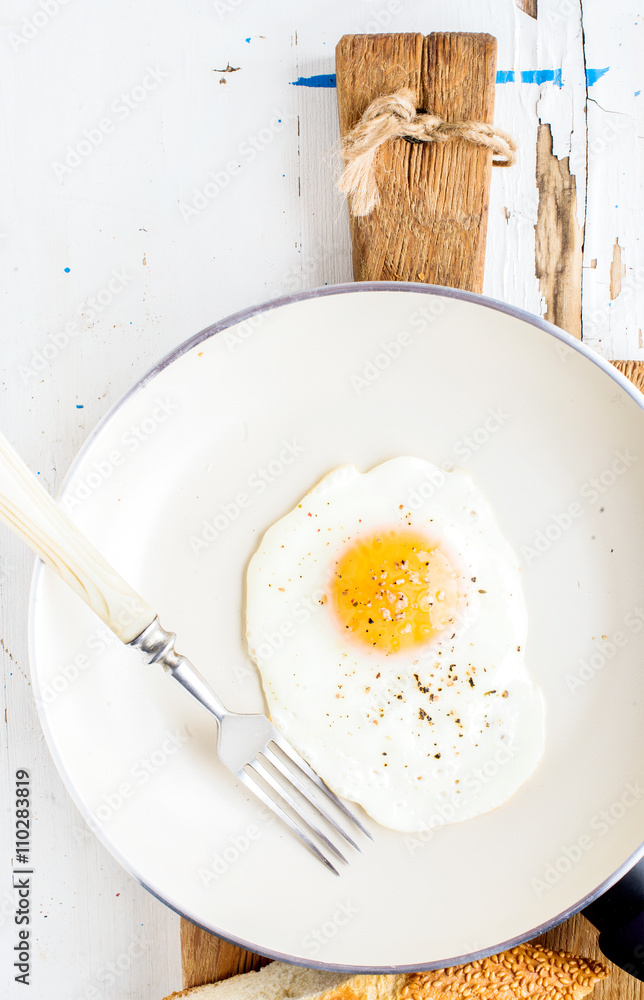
(261, 406)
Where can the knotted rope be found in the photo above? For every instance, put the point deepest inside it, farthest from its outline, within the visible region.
(396, 117)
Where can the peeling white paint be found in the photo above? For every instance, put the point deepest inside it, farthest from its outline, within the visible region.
(615, 189)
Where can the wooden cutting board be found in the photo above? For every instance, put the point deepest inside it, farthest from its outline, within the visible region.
(441, 192)
(207, 959)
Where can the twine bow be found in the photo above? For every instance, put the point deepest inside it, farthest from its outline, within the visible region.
(396, 117)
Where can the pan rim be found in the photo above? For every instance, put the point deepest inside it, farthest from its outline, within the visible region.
(181, 349)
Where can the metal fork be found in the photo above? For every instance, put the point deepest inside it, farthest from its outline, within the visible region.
(249, 745)
(258, 755)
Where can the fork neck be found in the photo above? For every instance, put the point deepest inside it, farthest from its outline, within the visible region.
(158, 646)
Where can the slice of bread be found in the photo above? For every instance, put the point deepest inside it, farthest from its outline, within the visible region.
(278, 981)
(527, 972)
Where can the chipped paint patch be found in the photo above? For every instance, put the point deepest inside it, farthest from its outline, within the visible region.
(558, 237)
(617, 271)
(528, 7)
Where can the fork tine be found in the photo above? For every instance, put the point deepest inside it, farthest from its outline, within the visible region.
(299, 761)
(284, 793)
(257, 790)
(293, 778)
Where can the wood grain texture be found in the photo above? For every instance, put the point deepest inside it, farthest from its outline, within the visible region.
(207, 959)
(528, 7)
(431, 223)
(617, 271)
(558, 237)
(634, 370)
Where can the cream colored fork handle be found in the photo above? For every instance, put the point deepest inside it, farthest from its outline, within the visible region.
(31, 512)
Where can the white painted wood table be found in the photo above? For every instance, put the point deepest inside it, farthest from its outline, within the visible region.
(167, 164)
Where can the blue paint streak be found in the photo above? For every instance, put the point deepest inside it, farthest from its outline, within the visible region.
(542, 76)
(79, 406)
(248, 39)
(593, 75)
(321, 80)
(637, 93)
(67, 270)
(538, 76)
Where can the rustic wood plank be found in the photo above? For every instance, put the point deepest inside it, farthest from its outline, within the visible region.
(431, 223)
(558, 237)
(207, 959)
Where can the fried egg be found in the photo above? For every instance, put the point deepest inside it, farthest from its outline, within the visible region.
(386, 616)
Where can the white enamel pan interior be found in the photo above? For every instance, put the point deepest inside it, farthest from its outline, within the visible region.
(176, 487)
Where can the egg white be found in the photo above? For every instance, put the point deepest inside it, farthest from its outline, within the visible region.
(441, 734)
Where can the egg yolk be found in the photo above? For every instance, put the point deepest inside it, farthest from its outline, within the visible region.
(394, 591)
